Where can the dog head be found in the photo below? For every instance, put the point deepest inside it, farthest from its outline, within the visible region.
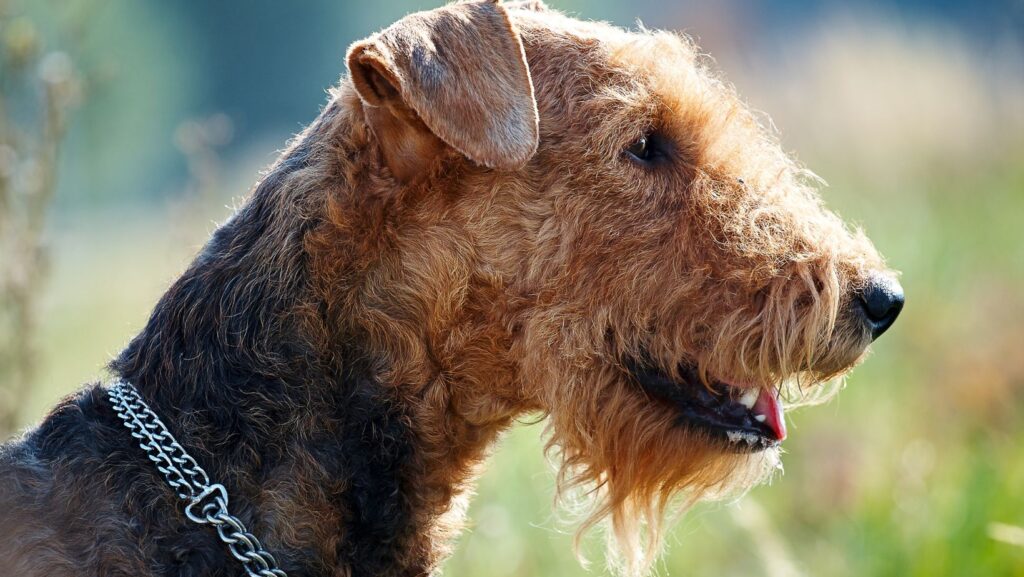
(643, 261)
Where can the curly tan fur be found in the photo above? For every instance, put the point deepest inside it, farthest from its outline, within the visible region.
(459, 239)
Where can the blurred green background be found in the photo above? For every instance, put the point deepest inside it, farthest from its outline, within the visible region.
(127, 129)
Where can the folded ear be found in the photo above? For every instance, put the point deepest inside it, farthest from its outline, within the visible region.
(462, 72)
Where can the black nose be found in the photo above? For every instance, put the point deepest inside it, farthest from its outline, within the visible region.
(881, 302)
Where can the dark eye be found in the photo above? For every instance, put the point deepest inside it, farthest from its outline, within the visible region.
(641, 149)
(649, 149)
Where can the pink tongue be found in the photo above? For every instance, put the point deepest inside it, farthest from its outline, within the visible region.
(770, 405)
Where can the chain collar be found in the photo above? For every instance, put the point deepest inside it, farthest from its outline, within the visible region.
(205, 503)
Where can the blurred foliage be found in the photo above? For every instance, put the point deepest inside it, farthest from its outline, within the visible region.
(913, 112)
(37, 88)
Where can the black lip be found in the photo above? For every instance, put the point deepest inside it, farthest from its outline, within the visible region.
(713, 411)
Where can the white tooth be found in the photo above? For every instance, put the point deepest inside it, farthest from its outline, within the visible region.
(737, 436)
(749, 397)
(760, 418)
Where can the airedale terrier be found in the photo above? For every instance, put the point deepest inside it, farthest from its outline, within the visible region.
(500, 211)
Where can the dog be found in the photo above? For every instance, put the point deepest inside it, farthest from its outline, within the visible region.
(500, 211)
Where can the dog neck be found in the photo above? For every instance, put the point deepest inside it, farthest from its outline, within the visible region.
(351, 444)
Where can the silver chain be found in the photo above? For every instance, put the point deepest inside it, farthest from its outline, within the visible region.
(206, 503)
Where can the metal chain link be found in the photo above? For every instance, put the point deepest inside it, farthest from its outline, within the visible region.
(206, 503)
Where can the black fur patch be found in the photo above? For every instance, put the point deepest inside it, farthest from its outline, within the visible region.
(376, 448)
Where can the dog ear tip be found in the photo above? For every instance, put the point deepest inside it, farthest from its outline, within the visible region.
(510, 161)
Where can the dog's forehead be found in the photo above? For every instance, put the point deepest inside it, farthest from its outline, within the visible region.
(657, 64)
(635, 80)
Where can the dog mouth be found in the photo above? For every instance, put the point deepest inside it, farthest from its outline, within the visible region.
(746, 418)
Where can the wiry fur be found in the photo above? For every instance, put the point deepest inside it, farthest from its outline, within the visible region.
(347, 347)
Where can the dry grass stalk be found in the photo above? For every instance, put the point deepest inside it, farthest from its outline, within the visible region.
(45, 83)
